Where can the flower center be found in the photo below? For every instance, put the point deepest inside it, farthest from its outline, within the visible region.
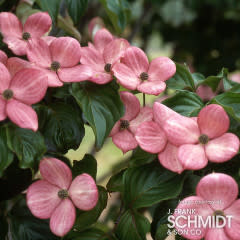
(144, 76)
(63, 194)
(219, 213)
(124, 124)
(7, 94)
(107, 67)
(55, 66)
(26, 36)
(203, 139)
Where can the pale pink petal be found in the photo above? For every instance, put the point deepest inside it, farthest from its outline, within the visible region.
(83, 192)
(3, 57)
(223, 148)
(63, 218)
(38, 24)
(235, 77)
(233, 231)
(94, 26)
(161, 113)
(181, 130)
(213, 121)
(125, 76)
(131, 104)
(102, 38)
(48, 39)
(100, 77)
(56, 172)
(10, 25)
(29, 85)
(219, 188)
(136, 60)
(66, 51)
(92, 58)
(145, 114)
(38, 52)
(190, 208)
(205, 92)
(115, 129)
(161, 69)
(124, 140)
(150, 137)
(18, 46)
(216, 233)
(53, 79)
(192, 156)
(22, 115)
(154, 88)
(115, 50)
(5, 78)
(14, 64)
(42, 199)
(3, 113)
(75, 74)
(169, 159)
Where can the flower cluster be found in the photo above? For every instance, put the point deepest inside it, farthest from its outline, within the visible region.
(216, 198)
(180, 142)
(62, 60)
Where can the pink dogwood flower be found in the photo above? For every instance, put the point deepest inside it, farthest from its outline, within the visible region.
(101, 36)
(205, 92)
(135, 73)
(124, 130)
(18, 93)
(235, 77)
(151, 138)
(203, 138)
(102, 56)
(216, 199)
(16, 36)
(56, 195)
(3, 57)
(59, 60)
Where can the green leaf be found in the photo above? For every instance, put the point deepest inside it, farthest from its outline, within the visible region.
(162, 232)
(118, 11)
(149, 184)
(182, 79)
(87, 165)
(230, 101)
(140, 157)
(6, 156)
(86, 219)
(185, 103)
(101, 105)
(198, 77)
(52, 7)
(132, 226)
(4, 227)
(29, 146)
(62, 126)
(115, 183)
(91, 234)
(213, 81)
(76, 9)
(24, 226)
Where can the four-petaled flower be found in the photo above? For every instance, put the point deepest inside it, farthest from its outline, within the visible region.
(17, 36)
(56, 195)
(18, 93)
(124, 130)
(135, 72)
(216, 196)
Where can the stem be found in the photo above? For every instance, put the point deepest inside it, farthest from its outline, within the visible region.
(144, 99)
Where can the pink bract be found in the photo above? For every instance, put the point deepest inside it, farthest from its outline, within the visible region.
(16, 36)
(57, 195)
(59, 60)
(3, 57)
(202, 139)
(135, 73)
(102, 56)
(216, 196)
(94, 26)
(18, 93)
(123, 132)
